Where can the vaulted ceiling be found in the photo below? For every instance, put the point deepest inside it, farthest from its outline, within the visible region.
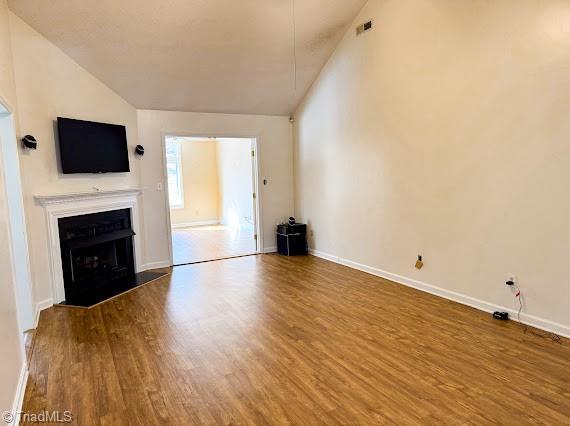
(232, 56)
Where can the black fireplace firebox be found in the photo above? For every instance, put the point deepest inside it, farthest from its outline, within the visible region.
(97, 256)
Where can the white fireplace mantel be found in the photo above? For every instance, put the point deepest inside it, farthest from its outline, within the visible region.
(57, 206)
(50, 199)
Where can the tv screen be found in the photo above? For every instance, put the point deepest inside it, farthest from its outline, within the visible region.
(90, 147)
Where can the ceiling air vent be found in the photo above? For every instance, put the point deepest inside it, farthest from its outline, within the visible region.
(362, 28)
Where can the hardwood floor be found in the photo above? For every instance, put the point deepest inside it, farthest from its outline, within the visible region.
(275, 340)
(203, 243)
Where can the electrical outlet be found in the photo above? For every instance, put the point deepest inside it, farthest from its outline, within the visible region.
(159, 186)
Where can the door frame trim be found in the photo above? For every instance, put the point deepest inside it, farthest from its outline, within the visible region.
(25, 315)
(258, 210)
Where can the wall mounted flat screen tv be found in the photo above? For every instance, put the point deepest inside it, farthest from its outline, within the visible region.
(90, 147)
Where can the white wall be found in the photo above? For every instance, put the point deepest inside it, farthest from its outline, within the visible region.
(445, 131)
(11, 350)
(274, 138)
(236, 182)
(7, 86)
(50, 84)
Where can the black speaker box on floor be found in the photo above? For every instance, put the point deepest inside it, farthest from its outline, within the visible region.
(292, 239)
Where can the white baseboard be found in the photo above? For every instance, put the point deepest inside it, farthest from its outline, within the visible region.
(19, 394)
(197, 223)
(155, 265)
(482, 305)
(40, 306)
(269, 250)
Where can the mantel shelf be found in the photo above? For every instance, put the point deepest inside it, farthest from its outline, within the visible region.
(48, 199)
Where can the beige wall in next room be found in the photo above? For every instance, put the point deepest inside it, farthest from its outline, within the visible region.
(200, 183)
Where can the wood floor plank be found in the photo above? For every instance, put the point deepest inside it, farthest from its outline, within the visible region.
(276, 340)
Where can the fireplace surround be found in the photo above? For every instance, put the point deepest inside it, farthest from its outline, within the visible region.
(62, 206)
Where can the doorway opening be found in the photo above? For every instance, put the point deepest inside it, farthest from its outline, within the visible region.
(12, 204)
(212, 197)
